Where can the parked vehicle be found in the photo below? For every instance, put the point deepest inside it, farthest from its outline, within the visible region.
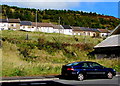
(84, 69)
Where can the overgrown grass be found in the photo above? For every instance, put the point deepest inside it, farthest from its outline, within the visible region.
(44, 53)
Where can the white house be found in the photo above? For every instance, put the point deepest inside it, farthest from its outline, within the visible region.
(67, 29)
(42, 27)
(3, 24)
(76, 30)
(46, 27)
(26, 26)
(58, 29)
(103, 32)
(13, 24)
(35, 26)
(84, 31)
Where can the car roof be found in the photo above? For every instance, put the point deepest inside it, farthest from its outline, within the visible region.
(86, 62)
(83, 62)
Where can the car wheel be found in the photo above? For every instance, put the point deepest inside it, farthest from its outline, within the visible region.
(109, 75)
(80, 77)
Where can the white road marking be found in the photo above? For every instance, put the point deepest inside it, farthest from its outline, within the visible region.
(117, 75)
(28, 80)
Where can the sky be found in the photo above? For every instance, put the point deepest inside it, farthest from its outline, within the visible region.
(106, 7)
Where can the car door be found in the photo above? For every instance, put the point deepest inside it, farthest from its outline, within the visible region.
(96, 69)
(85, 68)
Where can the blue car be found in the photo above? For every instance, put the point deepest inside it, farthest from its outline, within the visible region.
(84, 69)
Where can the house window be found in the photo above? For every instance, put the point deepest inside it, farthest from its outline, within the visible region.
(12, 25)
(28, 26)
(88, 33)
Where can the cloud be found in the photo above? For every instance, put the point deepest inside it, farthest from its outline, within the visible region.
(60, 1)
(44, 5)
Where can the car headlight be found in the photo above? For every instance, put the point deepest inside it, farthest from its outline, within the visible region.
(113, 69)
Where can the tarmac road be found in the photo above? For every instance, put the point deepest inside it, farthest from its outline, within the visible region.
(55, 81)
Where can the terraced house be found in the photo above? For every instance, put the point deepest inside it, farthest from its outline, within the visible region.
(103, 32)
(3, 24)
(13, 24)
(85, 31)
(26, 25)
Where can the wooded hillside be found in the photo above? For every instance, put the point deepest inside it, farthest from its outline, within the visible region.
(67, 17)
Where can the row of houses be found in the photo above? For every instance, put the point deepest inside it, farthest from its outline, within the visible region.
(16, 24)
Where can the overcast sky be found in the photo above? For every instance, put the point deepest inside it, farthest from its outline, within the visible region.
(106, 7)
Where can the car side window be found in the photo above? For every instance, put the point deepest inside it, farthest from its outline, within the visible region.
(95, 65)
(84, 65)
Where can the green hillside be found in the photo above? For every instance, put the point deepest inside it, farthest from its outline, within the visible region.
(36, 53)
(67, 17)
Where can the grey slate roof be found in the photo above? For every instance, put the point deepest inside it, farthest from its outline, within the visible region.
(57, 27)
(111, 41)
(116, 30)
(14, 20)
(103, 30)
(76, 28)
(88, 29)
(26, 23)
(4, 20)
(66, 26)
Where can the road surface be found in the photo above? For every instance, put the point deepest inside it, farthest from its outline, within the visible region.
(62, 82)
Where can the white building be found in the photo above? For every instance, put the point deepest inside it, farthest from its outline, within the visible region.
(46, 27)
(103, 32)
(67, 30)
(13, 24)
(26, 26)
(58, 29)
(3, 24)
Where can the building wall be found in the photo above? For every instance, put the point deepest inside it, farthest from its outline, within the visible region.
(99, 56)
(13, 26)
(55, 30)
(76, 33)
(47, 29)
(3, 26)
(26, 28)
(103, 34)
(84, 33)
(68, 31)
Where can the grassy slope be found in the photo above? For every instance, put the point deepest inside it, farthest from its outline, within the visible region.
(45, 59)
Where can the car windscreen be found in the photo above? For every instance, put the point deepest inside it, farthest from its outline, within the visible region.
(73, 64)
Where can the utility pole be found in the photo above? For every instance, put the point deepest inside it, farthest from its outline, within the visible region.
(59, 24)
(36, 21)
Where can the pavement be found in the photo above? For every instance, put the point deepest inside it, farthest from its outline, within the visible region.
(55, 80)
(29, 78)
(52, 77)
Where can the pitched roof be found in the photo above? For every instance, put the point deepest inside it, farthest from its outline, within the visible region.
(103, 30)
(76, 28)
(116, 30)
(57, 27)
(45, 24)
(66, 26)
(14, 20)
(88, 29)
(111, 41)
(25, 23)
(33, 23)
(42, 24)
(4, 20)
